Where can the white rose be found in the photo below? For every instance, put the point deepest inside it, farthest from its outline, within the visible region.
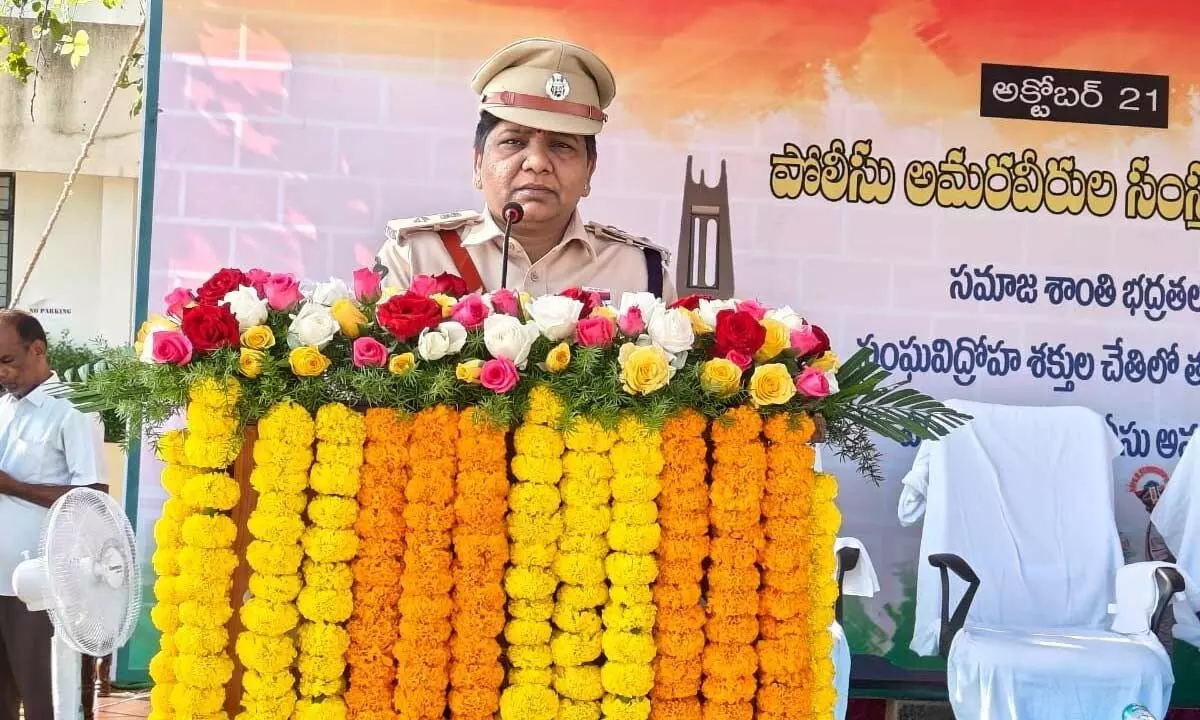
(313, 325)
(555, 315)
(672, 329)
(447, 338)
(789, 317)
(831, 378)
(507, 337)
(246, 306)
(644, 301)
(327, 293)
(709, 308)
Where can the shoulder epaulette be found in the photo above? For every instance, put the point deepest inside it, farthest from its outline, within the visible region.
(608, 232)
(397, 229)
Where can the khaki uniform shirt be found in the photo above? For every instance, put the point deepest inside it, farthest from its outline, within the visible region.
(589, 256)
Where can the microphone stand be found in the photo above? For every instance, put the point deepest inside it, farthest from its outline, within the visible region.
(513, 212)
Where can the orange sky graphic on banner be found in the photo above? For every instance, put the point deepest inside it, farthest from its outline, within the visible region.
(735, 62)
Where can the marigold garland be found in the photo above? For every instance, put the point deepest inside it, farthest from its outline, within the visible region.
(481, 552)
(739, 469)
(534, 526)
(579, 566)
(377, 568)
(683, 515)
(426, 606)
(329, 543)
(796, 607)
(200, 665)
(628, 672)
(267, 648)
(168, 542)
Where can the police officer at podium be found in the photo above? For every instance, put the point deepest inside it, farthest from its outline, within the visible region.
(542, 104)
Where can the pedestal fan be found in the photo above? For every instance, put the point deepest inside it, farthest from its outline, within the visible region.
(86, 578)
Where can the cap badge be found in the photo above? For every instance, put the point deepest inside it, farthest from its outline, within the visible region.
(557, 87)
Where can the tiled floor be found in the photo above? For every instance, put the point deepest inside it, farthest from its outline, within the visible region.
(123, 705)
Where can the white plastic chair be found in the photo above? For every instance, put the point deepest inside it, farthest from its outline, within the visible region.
(856, 577)
(1019, 506)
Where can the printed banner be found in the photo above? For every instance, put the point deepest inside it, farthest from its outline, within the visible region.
(1000, 201)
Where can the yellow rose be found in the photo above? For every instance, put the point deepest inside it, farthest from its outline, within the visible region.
(644, 368)
(402, 364)
(778, 339)
(349, 318)
(469, 371)
(604, 311)
(699, 327)
(307, 361)
(558, 358)
(258, 337)
(720, 377)
(445, 301)
(771, 385)
(250, 362)
(826, 363)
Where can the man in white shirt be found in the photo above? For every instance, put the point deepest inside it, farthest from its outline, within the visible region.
(47, 446)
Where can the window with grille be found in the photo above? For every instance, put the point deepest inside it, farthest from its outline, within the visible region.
(7, 190)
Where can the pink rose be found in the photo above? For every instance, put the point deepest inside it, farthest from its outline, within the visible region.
(170, 347)
(257, 279)
(368, 352)
(424, 285)
(499, 375)
(470, 312)
(595, 331)
(809, 340)
(632, 322)
(812, 383)
(367, 285)
(282, 291)
(177, 300)
(754, 308)
(505, 302)
(739, 358)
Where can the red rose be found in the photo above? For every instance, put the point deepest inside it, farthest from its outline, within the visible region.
(449, 284)
(691, 302)
(590, 299)
(218, 286)
(257, 279)
(737, 330)
(210, 327)
(405, 316)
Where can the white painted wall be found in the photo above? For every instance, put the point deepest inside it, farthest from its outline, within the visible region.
(83, 282)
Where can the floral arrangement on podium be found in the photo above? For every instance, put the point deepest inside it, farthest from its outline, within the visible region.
(403, 503)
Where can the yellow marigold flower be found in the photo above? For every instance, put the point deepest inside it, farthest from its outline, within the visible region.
(627, 679)
(540, 609)
(211, 451)
(203, 671)
(209, 531)
(573, 649)
(269, 618)
(528, 702)
(644, 369)
(349, 318)
(827, 362)
(201, 641)
(174, 477)
(328, 545)
(720, 377)
(220, 395)
(558, 358)
(469, 371)
(580, 682)
(211, 491)
(251, 362)
(332, 606)
(402, 364)
(544, 407)
(617, 707)
(584, 596)
(333, 512)
(307, 361)
(275, 588)
(527, 632)
(270, 558)
(327, 707)
(771, 385)
(538, 441)
(169, 447)
(530, 656)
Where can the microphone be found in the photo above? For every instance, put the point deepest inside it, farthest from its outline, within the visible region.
(512, 212)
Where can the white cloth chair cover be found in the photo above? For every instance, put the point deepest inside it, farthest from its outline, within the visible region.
(1177, 518)
(1025, 496)
(861, 581)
